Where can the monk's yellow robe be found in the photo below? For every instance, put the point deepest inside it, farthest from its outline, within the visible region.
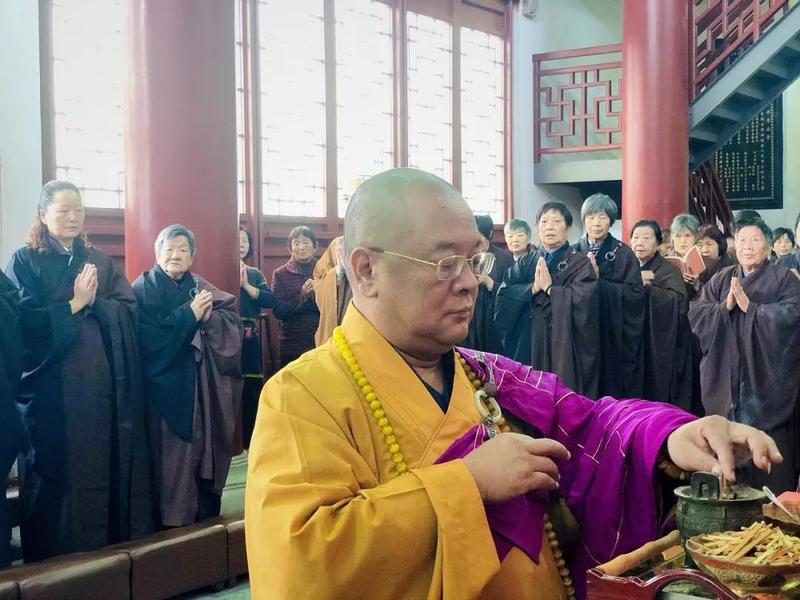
(327, 516)
(325, 293)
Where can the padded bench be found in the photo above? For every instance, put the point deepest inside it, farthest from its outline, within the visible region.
(177, 561)
(9, 590)
(237, 553)
(84, 576)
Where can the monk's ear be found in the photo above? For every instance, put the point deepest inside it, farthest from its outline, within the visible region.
(362, 269)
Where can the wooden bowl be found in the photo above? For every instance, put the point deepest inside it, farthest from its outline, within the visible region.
(744, 575)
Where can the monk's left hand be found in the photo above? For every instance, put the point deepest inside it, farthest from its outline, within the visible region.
(713, 444)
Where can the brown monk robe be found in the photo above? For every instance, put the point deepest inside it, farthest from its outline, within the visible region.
(191, 340)
(747, 320)
(331, 291)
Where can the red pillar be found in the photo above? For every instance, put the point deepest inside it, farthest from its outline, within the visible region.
(655, 114)
(181, 133)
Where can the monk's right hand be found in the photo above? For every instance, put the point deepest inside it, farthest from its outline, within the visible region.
(511, 464)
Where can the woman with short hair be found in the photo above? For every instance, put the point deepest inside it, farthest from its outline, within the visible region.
(713, 248)
(546, 309)
(620, 295)
(792, 260)
(684, 232)
(666, 348)
(293, 286)
(782, 243)
(86, 483)
(191, 341)
(747, 321)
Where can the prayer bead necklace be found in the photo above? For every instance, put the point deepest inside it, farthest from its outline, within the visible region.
(371, 399)
(483, 395)
(549, 532)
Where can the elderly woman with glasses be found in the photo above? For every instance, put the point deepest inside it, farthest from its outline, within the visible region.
(191, 342)
(546, 311)
(620, 295)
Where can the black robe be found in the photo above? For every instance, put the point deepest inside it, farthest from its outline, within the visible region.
(554, 332)
(790, 261)
(750, 370)
(712, 268)
(482, 334)
(87, 481)
(666, 345)
(621, 302)
(503, 261)
(12, 434)
(193, 380)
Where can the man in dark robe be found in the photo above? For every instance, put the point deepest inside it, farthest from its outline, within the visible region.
(190, 334)
(87, 481)
(482, 334)
(620, 297)
(11, 431)
(546, 308)
(665, 350)
(747, 321)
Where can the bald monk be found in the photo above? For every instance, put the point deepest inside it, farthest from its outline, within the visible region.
(373, 472)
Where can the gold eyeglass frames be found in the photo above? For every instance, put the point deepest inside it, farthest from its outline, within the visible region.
(450, 267)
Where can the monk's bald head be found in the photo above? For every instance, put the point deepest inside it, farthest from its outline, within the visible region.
(415, 218)
(394, 208)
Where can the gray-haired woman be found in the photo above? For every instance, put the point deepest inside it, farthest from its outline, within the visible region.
(685, 230)
(620, 296)
(191, 340)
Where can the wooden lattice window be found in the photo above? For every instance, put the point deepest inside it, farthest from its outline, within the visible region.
(88, 64)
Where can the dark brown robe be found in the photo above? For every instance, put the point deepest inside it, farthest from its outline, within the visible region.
(193, 378)
(666, 345)
(750, 370)
(621, 302)
(86, 482)
(555, 332)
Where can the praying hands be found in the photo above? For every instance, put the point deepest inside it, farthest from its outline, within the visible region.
(542, 280)
(593, 260)
(737, 296)
(84, 288)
